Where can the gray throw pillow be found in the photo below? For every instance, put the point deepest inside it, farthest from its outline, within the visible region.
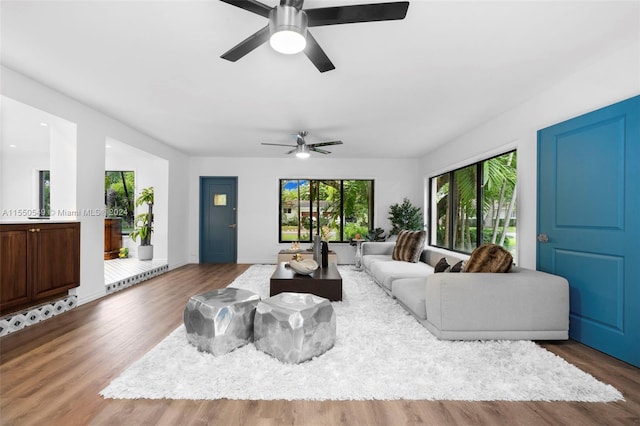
(441, 266)
(457, 267)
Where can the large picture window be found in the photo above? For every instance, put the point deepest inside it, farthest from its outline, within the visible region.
(474, 205)
(334, 208)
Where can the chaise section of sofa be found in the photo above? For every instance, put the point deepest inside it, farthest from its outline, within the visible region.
(521, 304)
(377, 261)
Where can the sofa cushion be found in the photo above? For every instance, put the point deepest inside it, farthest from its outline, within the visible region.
(384, 273)
(370, 259)
(432, 255)
(409, 246)
(489, 258)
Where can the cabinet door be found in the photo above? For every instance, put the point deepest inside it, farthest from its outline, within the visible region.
(15, 271)
(57, 260)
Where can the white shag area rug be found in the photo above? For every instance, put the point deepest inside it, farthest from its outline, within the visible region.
(381, 353)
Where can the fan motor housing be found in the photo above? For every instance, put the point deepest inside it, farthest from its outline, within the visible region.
(288, 18)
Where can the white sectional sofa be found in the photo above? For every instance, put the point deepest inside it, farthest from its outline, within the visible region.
(523, 304)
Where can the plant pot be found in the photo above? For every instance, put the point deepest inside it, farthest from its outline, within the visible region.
(145, 252)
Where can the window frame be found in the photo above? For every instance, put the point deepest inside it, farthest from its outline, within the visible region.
(479, 199)
(314, 206)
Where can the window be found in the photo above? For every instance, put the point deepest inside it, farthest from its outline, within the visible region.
(44, 193)
(336, 209)
(456, 197)
(118, 197)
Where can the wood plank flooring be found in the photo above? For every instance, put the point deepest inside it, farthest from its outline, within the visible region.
(51, 373)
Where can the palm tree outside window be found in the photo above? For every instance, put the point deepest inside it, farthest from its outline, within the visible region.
(475, 204)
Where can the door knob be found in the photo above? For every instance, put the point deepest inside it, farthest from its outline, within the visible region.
(233, 225)
(543, 238)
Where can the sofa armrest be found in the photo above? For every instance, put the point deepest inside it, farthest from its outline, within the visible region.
(377, 248)
(523, 299)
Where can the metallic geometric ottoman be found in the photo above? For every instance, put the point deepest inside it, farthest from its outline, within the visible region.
(294, 327)
(220, 321)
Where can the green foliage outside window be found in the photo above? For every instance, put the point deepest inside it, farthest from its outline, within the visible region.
(119, 187)
(44, 177)
(454, 201)
(338, 210)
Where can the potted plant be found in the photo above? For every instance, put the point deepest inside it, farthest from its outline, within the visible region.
(144, 225)
(405, 216)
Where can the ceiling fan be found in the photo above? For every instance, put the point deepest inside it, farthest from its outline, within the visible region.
(288, 23)
(303, 149)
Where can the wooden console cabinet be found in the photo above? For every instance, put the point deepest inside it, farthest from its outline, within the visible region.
(112, 237)
(38, 262)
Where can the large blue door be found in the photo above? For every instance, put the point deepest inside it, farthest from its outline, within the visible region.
(589, 223)
(218, 228)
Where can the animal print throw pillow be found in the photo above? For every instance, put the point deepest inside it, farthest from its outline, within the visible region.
(489, 258)
(409, 246)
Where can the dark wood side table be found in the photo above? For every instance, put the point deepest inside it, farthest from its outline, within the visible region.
(324, 282)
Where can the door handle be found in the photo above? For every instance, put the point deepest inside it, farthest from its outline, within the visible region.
(543, 238)
(233, 225)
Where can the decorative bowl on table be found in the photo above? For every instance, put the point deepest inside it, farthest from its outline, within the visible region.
(303, 267)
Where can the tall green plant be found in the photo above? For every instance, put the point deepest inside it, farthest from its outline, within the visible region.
(405, 216)
(144, 221)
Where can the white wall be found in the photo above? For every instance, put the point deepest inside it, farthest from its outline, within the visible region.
(149, 171)
(62, 165)
(20, 187)
(26, 134)
(610, 79)
(258, 192)
(93, 129)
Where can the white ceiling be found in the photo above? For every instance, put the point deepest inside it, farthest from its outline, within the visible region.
(399, 90)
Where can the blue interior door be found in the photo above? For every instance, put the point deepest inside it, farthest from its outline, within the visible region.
(218, 228)
(589, 223)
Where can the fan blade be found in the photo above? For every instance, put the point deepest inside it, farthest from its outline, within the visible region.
(357, 13)
(247, 45)
(326, 143)
(292, 151)
(251, 6)
(276, 144)
(317, 56)
(321, 151)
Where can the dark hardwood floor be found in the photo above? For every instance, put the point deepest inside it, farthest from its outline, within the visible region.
(51, 373)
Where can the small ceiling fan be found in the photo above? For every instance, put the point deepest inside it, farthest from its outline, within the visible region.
(303, 149)
(288, 23)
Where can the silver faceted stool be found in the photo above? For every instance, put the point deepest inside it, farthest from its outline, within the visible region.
(294, 327)
(220, 321)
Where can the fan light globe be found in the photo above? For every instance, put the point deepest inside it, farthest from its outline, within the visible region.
(288, 42)
(302, 154)
(302, 151)
(288, 27)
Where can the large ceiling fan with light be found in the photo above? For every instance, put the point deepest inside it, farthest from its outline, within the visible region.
(303, 149)
(288, 22)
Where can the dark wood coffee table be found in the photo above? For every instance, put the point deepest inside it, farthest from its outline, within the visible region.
(324, 282)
